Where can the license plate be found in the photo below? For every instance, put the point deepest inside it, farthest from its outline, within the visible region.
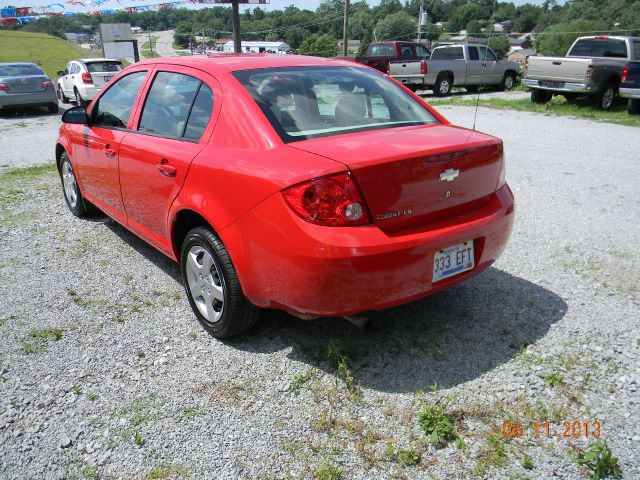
(106, 79)
(548, 84)
(453, 260)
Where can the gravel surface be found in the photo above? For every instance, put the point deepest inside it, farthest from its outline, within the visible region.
(105, 373)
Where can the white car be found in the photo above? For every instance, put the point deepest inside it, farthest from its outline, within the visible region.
(83, 79)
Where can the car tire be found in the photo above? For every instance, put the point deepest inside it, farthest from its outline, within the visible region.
(472, 88)
(606, 97)
(508, 81)
(442, 88)
(212, 286)
(72, 195)
(540, 96)
(53, 108)
(61, 96)
(79, 100)
(633, 107)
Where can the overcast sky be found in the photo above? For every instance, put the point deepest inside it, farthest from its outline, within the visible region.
(114, 4)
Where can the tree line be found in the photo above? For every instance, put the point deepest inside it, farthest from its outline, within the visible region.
(555, 25)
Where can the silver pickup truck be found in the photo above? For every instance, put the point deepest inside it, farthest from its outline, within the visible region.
(469, 66)
(593, 66)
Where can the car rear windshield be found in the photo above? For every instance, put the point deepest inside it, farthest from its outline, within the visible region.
(447, 53)
(99, 67)
(599, 47)
(19, 70)
(380, 50)
(312, 102)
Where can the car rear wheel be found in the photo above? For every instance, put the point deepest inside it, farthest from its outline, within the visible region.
(75, 201)
(212, 286)
(508, 81)
(540, 96)
(442, 88)
(606, 97)
(633, 107)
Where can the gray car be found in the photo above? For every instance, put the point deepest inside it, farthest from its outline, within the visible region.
(26, 85)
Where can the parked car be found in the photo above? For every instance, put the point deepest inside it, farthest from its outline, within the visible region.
(593, 66)
(469, 66)
(26, 85)
(630, 87)
(379, 54)
(311, 185)
(83, 79)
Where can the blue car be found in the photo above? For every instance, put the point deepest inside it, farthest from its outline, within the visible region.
(630, 87)
(26, 85)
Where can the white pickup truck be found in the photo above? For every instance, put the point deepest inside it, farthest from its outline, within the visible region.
(469, 66)
(593, 66)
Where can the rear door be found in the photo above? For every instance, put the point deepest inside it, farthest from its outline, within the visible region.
(173, 127)
(474, 66)
(103, 70)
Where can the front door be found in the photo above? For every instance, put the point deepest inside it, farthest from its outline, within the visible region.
(490, 65)
(96, 150)
(155, 157)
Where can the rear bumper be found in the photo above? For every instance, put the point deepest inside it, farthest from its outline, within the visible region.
(296, 266)
(46, 97)
(633, 93)
(568, 87)
(89, 92)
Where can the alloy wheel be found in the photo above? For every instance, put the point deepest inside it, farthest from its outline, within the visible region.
(607, 98)
(70, 184)
(206, 283)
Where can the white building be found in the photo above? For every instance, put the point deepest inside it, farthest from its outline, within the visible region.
(258, 47)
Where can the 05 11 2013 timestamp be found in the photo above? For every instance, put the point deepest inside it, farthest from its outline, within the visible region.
(562, 430)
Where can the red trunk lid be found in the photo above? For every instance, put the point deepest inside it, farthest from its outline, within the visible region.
(403, 172)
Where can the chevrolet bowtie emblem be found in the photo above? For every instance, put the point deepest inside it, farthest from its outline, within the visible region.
(449, 175)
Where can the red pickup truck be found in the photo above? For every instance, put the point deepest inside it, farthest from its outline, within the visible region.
(379, 54)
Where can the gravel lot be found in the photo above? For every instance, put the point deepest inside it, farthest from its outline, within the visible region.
(125, 384)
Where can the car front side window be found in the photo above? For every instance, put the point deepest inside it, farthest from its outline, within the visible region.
(114, 106)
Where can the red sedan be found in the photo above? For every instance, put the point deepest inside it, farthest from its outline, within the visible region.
(319, 187)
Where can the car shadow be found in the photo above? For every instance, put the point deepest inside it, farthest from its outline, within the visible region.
(446, 339)
(32, 112)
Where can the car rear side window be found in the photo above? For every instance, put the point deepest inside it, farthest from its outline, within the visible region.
(473, 53)
(114, 106)
(636, 50)
(200, 114)
(177, 106)
(422, 52)
(447, 53)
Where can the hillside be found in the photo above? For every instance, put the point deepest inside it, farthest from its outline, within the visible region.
(51, 53)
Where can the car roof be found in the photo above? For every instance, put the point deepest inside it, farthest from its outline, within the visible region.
(248, 61)
(19, 63)
(90, 60)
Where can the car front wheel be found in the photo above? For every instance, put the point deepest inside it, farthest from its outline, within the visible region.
(75, 201)
(212, 286)
(508, 81)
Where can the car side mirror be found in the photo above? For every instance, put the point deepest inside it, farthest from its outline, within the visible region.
(77, 115)
(60, 73)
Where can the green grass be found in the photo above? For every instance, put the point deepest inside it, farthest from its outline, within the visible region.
(51, 53)
(10, 175)
(600, 462)
(150, 51)
(36, 340)
(558, 106)
(164, 469)
(439, 426)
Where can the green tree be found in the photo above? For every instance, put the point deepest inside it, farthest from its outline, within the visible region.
(473, 27)
(556, 39)
(320, 46)
(462, 16)
(399, 25)
(499, 44)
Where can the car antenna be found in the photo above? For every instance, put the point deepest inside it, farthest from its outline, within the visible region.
(484, 64)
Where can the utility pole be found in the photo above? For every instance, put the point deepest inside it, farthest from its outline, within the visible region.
(420, 21)
(345, 36)
(235, 22)
(204, 45)
(150, 44)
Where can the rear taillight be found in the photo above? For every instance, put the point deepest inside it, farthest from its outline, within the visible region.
(333, 201)
(502, 176)
(4, 87)
(625, 72)
(590, 70)
(46, 84)
(86, 78)
(423, 67)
